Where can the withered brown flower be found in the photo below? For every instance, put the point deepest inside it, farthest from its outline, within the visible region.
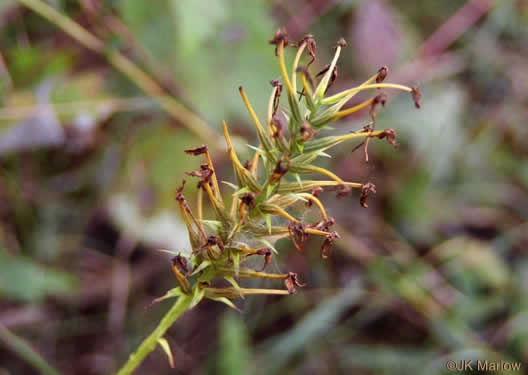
(416, 95)
(280, 36)
(197, 151)
(298, 235)
(390, 135)
(343, 191)
(267, 253)
(248, 199)
(328, 243)
(366, 189)
(291, 281)
(382, 74)
(307, 132)
(182, 263)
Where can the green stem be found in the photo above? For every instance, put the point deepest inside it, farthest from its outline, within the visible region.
(122, 63)
(25, 351)
(149, 344)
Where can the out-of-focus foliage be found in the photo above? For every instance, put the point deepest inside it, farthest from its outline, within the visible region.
(29, 281)
(234, 354)
(434, 270)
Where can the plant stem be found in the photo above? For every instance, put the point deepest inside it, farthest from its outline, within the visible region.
(284, 72)
(149, 344)
(25, 351)
(122, 63)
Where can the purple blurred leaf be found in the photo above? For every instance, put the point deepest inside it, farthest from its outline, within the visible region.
(40, 130)
(375, 35)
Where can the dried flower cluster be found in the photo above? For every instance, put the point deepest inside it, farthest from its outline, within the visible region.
(269, 184)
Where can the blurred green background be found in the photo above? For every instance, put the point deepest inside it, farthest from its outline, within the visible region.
(435, 269)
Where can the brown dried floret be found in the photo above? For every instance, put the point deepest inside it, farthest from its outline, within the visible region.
(382, 74)
(197, 151)
(324, 225)
(182, 263)
(248, 199)
(280, 36)
(327, 224)
(315, 192)
(280, 170)
(366, 189)
(276, 98)
(341, 43)
(307, 132)
(277, 124)
(326, 248)
(291, 281)
(342, 190)
(323, 71)
(310, 45)
(179, 193)
(212, 241)
(307, 75)
(267, 253)
(205, 173)
(381, 98)
(333, 77)
(416, 95)
(390, 135)
(248, 165)
(298, 235)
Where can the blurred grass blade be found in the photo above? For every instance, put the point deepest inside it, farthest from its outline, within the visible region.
(22, 348)
(234, 356)
(129, 69)
(280, 350)
(23, 279)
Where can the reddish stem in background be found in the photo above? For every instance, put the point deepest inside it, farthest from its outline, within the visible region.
(455, 26)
